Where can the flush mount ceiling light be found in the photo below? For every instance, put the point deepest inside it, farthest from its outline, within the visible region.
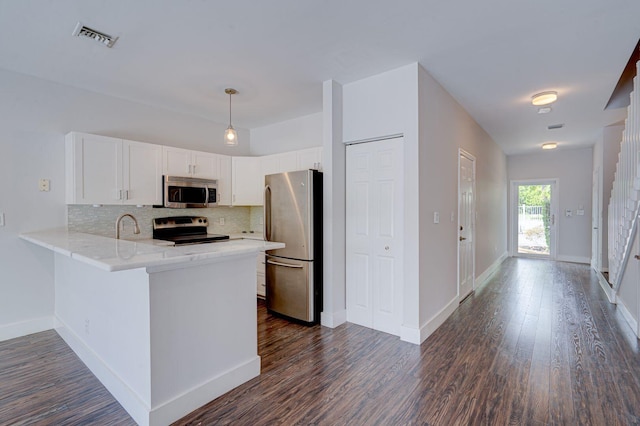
(83, 31)
(544, 98)
(230, 135)
(549, 145)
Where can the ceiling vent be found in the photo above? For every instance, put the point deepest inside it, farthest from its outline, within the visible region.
(555, 126)
(83, 31)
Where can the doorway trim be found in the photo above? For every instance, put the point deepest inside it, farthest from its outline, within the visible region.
(513, 216)
(472, 158)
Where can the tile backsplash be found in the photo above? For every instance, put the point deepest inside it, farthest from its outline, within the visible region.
(102, 220)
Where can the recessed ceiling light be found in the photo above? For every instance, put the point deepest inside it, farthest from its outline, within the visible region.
(544, 110)
(544, 98)
(549, 145)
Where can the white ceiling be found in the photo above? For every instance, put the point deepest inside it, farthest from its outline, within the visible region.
(491, 55)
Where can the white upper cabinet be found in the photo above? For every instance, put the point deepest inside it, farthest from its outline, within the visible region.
(184, 162)
(224, 180)
(104, 170)
(247, 181)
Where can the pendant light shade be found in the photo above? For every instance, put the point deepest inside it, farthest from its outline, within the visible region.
(230, 135)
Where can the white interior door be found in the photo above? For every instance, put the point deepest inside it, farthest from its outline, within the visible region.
(466, 224)
(374, 234)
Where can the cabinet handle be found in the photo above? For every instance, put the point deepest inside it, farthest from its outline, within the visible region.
(193, 169)
(189, 169)
(126, 194)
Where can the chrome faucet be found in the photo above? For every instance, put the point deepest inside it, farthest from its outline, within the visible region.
(136, 229)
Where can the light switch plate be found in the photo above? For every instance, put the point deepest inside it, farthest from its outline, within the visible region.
(221, 221)
(1, 218)
(43, 185)
(436, 217)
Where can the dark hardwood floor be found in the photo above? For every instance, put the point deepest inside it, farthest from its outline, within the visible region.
(538, 344)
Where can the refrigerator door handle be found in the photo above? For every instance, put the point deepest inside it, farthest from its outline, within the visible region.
(287, 265)
(267, 213)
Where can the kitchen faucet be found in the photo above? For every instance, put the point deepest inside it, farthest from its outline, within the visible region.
(136, 229)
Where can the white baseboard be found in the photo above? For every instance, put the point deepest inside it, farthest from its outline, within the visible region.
(483, 277)
(606, 288)
(166, 412)
(574, 259)
(628, 317)
(177, 408)
(24, 328)
(418, 336)
(333, 319)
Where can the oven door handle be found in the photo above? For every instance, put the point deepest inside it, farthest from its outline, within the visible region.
(206, 196)
(286, 265)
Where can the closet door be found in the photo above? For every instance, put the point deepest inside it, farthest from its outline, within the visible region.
(374, 234)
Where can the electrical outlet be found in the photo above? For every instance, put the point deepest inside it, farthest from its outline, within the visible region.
(436, 217)
(1, 218)
(221, 221)
(43, 185)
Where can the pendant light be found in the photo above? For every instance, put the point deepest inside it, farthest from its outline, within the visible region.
(230, 135)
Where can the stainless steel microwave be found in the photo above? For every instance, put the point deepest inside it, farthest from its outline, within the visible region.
(186, 192)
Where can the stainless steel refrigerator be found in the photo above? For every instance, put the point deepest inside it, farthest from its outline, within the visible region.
(293, 215)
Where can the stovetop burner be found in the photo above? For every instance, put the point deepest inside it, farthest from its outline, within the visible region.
(184, 230)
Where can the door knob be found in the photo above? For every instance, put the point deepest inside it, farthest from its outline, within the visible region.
(386, 248)
(637, 257)
(462, 238)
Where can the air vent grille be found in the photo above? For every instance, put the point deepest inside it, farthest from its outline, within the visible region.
(555, 126)
(84, 31)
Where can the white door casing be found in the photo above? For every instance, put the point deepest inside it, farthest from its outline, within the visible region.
(596, 214)
(374, 241)
(466, 223)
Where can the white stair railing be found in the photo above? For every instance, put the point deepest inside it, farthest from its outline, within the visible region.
(625, 195)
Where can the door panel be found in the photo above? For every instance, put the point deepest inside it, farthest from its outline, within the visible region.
(290, 287)
(374, 243)
(288, 213)
(466, 224)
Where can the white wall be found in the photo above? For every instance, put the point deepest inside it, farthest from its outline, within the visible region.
(34, 117)
(299, 133)
(444, 128)
(333, 153)
(410, 102)
(379, 106)
(573, 169)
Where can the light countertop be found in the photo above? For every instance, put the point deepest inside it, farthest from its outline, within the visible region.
(110, 254)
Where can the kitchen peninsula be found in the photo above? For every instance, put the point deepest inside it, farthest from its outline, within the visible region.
(165, 329)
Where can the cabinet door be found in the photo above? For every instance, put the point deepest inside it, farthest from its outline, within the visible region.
(224, 180)
(204, 165)
(309, 158)
(176, 161)
(247, 181)
(142, 173)
(94, 169)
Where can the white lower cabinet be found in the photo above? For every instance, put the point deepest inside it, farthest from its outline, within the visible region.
(261, 284)
(104, 170)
